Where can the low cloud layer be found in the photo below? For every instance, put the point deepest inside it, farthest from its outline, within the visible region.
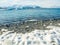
(42, 3)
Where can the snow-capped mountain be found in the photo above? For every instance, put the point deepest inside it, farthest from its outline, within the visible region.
(15, 7)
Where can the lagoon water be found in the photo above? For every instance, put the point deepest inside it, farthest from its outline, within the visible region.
(9, 16)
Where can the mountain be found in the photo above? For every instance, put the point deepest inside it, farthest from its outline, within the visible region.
(30, 7)
(20, 7)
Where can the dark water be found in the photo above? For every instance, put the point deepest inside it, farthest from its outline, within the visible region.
(8, 16)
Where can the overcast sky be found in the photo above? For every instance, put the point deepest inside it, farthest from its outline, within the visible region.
(42, 3)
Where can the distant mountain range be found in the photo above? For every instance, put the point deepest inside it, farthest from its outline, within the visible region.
(20, 7)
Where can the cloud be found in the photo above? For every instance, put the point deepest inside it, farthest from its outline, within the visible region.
(42, 3)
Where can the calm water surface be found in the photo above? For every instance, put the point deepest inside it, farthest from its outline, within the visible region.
(8, 16)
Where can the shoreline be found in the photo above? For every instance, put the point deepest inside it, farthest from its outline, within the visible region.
(30, 25)
(36, 37)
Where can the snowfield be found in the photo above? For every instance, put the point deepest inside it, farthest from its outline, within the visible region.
(36, 37)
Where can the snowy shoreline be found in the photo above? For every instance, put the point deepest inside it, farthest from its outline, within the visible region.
(36, 37)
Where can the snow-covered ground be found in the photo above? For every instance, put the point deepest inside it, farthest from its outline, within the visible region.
(36, 37)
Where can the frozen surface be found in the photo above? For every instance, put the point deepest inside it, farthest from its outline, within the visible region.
(36, 37)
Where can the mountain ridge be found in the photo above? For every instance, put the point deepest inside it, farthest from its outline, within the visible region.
(20, 7)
